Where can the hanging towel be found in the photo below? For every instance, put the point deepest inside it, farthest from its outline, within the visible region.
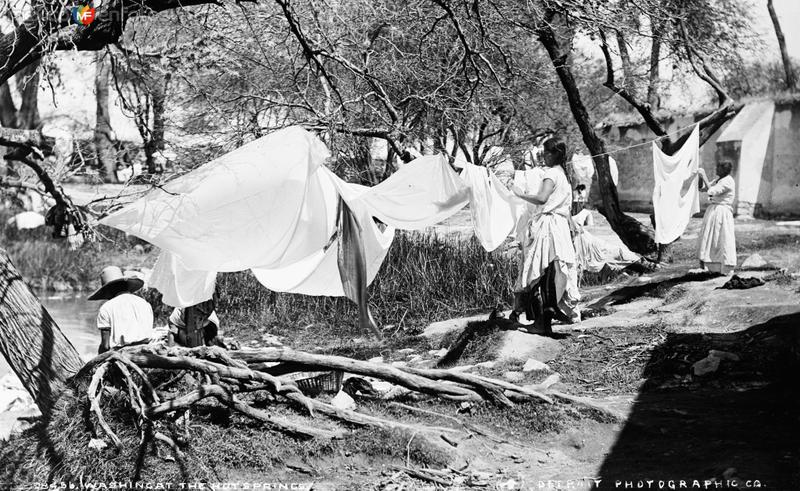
(352, 265)
(676, 196)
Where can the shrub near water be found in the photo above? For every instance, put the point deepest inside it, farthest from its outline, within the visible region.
(43, 260)
(424, 279)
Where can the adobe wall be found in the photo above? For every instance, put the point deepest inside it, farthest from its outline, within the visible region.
(784, 163)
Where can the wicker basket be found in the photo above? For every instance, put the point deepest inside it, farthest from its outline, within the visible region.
(327, 382)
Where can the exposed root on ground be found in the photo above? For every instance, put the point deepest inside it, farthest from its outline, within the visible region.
(228, 379)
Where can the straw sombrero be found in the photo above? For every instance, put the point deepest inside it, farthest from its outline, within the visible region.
(113, 281)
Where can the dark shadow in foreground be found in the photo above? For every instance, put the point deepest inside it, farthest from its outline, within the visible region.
(738, 425)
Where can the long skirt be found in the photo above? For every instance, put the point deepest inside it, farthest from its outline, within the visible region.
(549, 263)
(717, 246)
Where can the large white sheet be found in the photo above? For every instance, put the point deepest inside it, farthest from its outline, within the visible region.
(259, 205)
(676, 196)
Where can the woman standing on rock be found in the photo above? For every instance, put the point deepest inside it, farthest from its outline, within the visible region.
(549, 269)
(717, 248)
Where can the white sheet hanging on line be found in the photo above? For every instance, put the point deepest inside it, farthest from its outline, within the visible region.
(193, 287)
(318, 274)
(752, 127)
(422, 193)
(675, 194)
(493, 212)
(259, 205)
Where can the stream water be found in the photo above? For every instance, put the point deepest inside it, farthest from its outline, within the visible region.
(76, 318)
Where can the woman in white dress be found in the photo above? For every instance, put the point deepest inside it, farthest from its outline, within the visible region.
(717, 248)
(549, 267)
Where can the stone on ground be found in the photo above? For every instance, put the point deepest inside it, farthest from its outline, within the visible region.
(522, 346)
(534, 365)
(754, 261)
(343, 401)
(512, 376)
(436, 330)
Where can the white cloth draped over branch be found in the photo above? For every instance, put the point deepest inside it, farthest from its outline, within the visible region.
(676, 196)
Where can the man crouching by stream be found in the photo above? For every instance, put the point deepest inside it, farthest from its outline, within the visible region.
(124, 319)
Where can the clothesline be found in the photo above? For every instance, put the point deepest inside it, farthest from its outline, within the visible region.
(648, 142)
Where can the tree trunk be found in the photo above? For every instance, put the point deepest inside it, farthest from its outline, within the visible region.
(103, 133)
(791, 81)
(28, 87)
(8, 110)
(31, 342)
(627, 68)
(654, 74)
(636, 236)
(156, 142)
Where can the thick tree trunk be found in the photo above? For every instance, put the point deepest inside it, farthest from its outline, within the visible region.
(28, 87)
(103, 133)
(31, 342)
(636, 236)
(791, 80)
(8, 110)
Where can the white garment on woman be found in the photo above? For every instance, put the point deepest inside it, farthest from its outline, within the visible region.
(717, 246)
(675, 194)
(548, 240)
(128, 317)
(529, 181)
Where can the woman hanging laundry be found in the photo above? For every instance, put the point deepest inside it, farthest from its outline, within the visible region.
(549, 273)
(717, 248)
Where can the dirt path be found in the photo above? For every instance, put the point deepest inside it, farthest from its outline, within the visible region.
(740, 421)
(735, 425)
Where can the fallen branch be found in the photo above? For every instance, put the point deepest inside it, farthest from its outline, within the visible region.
(312, 362)
(361, 419)
(477, 381)
(423, 475)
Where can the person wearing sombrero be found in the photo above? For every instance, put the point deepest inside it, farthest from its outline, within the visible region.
(124, 318)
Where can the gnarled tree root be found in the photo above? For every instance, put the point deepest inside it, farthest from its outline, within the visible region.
(227, 377)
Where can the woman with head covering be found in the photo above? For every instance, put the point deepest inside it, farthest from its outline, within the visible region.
(717, 248)
(548, 274)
